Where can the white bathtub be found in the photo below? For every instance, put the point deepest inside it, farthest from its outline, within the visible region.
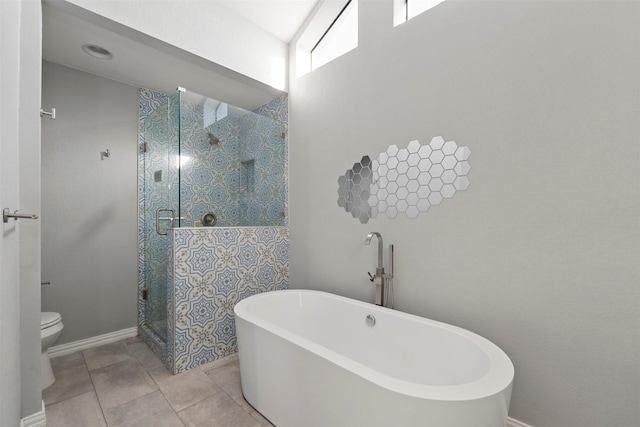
(308, 358)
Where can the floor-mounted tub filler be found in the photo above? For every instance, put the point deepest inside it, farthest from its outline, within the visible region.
(310, 358)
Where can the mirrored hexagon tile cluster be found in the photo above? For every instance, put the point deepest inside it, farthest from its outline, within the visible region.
(354, 190)
(408, 180)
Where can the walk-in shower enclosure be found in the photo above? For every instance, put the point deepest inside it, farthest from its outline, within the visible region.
(212, 189)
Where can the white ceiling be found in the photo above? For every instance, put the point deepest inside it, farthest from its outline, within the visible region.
(145, 62)
(282, 18)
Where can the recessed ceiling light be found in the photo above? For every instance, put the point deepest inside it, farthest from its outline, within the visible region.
(97, 51)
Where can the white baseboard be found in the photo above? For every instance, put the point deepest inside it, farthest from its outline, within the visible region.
(35, 420)
(68, 348)
(515, 423)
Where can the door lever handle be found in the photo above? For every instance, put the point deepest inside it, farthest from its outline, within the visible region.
(15, 215)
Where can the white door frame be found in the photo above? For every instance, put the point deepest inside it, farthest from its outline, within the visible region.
(9, 260)
(20, 84)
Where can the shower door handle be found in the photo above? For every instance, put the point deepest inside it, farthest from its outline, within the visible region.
(172, 218)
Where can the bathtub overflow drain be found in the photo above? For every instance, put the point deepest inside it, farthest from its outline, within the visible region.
(370, 320)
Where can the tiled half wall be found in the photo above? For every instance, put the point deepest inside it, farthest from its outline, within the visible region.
(210, 270)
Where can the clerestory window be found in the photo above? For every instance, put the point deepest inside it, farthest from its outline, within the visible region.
(332, 32)
(404, 10)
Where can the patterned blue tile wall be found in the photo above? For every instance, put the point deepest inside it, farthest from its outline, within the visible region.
(243, 179)
(262, 136)
(210, 270)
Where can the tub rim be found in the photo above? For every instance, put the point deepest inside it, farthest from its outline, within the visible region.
(497, 380)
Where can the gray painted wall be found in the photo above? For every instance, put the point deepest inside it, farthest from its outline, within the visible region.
(540, 254)
(89, 205)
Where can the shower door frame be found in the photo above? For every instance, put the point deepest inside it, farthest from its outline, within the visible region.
(148, 212)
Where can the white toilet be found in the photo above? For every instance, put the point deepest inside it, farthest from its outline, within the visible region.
(50, 328)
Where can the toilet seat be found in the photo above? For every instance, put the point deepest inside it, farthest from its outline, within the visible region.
(48, 319)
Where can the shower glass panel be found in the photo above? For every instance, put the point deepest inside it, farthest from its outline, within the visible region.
(232, 164)
(161, 204)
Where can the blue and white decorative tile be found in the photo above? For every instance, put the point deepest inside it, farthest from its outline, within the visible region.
(149, 101)
(203, 356)
(282, 286)
(203, 338)
(268, 254)
(182, 341)
(227, 257)
(180, 312)
(266, 234)
(202, 259)
(226, 304)
(201, 311)
(201, 286)
(223, 349)
(180, 288)
(267, 275)
(247, 255)
(180, 262)
(181, 240)
(281, 252)
(206, 301)
(227, 281)
(248, 278)
(201, 237)
(248, 291)
(225, 331)
(247, 234)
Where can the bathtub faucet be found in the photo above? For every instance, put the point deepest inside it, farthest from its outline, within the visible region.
(379, 278)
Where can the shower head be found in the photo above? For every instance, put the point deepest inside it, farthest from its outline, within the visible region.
(213, 140)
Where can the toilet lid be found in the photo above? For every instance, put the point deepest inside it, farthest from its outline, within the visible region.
(49, 319)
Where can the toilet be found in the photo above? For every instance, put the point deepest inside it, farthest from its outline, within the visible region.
(50, 329)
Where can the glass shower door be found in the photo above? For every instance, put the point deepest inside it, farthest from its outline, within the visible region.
(161, 205)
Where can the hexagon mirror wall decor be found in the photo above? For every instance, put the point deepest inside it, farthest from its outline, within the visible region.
(404, 180)
(354, 190)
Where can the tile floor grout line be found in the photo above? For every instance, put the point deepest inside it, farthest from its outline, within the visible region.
(104, 418)
(231, 397)
(128, 352)
(164, 396)
(223, 384)
(150, 377)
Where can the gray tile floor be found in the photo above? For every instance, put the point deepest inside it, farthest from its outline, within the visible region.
(125, 384)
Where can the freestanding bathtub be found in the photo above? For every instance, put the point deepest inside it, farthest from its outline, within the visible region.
(310, 358)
